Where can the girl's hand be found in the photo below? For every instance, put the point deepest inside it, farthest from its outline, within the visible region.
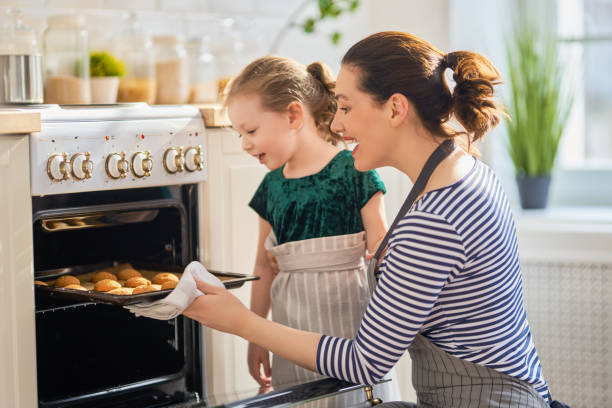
(273, 263)
(370, 256)
(218, 309)
(258, 358)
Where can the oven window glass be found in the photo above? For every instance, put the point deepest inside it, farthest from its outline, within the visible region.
(150, 235)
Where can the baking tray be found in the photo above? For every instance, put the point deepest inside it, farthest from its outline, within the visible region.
(230, 280)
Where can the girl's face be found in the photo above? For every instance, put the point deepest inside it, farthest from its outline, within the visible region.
(361, 120)
(266, 135)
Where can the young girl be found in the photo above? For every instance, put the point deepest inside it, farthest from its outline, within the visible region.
(317, 213)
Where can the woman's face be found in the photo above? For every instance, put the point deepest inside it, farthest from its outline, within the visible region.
(361, 120)
(266, 135)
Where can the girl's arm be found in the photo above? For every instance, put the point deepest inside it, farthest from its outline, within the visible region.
(374, 221)
(260, 292)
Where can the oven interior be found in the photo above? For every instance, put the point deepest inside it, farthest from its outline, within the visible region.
(89, 353)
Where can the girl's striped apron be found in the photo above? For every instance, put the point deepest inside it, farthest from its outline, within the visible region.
(321, 287)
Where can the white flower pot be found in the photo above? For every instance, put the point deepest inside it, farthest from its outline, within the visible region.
(104, 89)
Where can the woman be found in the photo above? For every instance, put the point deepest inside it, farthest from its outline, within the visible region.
(449, 287)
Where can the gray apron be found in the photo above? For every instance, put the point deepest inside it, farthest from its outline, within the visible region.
(321, 287)
(445, 381)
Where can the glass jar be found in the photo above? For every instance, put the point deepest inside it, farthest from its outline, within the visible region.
(136, 52)
(66, 60)
(170, 70)
(20, 61)
(203, 72)
(229, 50)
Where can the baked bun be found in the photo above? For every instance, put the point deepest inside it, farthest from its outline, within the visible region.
(106, 284)
(65, 280)
(41, 283)
(74, 286)
(128, 273)
(144, 289)
(137, 281)
(98, 276)
(170, 284)
(163, 277)
(120, 291)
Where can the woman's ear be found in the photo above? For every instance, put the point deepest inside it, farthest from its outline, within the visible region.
(295, 113)
(399, 109)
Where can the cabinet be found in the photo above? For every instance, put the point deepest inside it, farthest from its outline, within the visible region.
(17, 326)
(228, 235)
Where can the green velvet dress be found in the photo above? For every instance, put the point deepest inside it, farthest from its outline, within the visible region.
(324, 204)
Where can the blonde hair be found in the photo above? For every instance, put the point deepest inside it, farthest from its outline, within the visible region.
(279, 81)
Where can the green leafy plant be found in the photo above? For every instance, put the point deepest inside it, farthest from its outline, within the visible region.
(328, 9)
(103, 64)
(537, 106)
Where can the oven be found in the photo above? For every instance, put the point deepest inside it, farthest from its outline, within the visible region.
(115, 185)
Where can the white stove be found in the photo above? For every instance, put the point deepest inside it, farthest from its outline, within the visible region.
(109, 147)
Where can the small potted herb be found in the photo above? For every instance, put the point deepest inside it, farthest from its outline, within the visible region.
(104, 70)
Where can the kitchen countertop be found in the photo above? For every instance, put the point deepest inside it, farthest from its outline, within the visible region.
(13, 121)
(18, 122)
(214, 115)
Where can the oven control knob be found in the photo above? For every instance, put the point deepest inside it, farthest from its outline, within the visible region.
(58, 167)
(82, 166)
(116, 165)
(142, 164)
(174, 160)
(194, 159)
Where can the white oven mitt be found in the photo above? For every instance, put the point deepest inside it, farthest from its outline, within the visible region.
(180, 298)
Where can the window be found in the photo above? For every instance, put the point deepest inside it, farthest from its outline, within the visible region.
(585, 28)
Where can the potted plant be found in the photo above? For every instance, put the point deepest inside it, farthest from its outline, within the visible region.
(104, 70)
(538, 109)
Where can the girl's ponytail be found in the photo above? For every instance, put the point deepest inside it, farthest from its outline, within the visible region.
(324, 109)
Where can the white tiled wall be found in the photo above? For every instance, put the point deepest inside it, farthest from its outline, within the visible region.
(259, 21)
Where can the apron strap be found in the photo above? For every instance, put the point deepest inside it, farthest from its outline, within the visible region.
(442, 151)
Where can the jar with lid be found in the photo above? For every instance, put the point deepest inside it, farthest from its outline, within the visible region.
(203, 71)
(136, 51)
(170, 70)
(66, 60)
(20, 61)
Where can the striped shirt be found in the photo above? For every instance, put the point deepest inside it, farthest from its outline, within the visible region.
(452, 273)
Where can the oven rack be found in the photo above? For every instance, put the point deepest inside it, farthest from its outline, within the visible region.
(64, 307)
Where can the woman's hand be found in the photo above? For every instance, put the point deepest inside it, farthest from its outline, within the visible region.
(218, 309)
(258, 358)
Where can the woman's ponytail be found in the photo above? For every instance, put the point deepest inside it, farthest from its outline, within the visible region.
(472, 100)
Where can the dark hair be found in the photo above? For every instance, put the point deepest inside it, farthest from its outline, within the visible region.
(279, 81)
(395, 62)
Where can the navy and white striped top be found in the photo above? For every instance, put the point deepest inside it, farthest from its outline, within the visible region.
(452, 273)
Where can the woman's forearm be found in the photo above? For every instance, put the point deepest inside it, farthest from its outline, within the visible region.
(294, 345)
